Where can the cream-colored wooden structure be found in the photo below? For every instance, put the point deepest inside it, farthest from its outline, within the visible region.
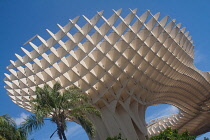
(124, 64)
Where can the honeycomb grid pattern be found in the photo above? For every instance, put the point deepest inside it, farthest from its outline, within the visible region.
(124, 65)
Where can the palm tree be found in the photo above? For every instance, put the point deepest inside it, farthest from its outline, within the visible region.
(9, 130)
(71, 104)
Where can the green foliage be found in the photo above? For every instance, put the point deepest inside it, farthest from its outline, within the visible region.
(70, 104)
(2, 138)
(9, 130)
(119, 137)
(172, 134)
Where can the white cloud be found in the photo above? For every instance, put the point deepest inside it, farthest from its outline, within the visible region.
(167, 111)
(20, 119)
(198, 57)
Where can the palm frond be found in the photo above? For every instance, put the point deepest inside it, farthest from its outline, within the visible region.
(6, 119)
(56, 87)
(87, 125)
(9, 130)
(31, 123)
(84, 109)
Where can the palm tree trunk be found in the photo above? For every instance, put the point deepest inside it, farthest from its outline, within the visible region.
(63, 134)
(59, 134)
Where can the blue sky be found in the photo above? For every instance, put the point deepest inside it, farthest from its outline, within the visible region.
(20, 20)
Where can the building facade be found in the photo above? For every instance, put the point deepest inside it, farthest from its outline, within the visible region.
(124, 64)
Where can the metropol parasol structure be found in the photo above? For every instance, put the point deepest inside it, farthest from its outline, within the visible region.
(124, 64)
